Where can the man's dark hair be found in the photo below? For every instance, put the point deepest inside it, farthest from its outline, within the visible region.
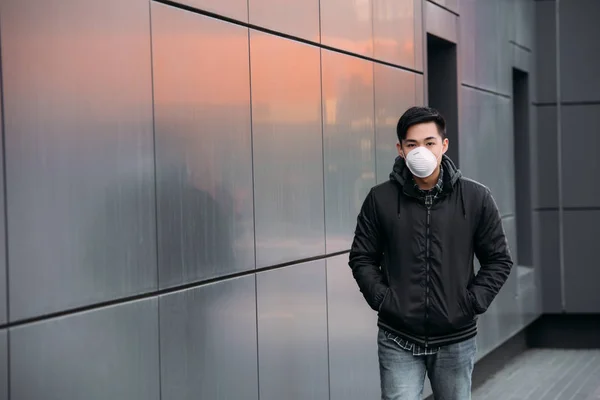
(419, 115)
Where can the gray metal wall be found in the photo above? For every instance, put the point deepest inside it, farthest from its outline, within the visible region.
(568, 109)
(181, 187)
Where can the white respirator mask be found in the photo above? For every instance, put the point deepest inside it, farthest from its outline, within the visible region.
(421, 162)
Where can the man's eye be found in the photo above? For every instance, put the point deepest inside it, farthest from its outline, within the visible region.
(430, 144)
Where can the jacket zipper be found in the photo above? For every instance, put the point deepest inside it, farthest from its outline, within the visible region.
(427, 247)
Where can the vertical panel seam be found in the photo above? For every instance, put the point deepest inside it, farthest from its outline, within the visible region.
(253, 211)
(5, 227)
(373, 84)
(156, 233)
(561, 238)
(324, 213)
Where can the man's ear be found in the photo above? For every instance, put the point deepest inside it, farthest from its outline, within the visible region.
(400, 150)
(445, 145)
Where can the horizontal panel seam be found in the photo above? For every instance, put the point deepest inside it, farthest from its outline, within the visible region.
(283, 35)
(162, 292)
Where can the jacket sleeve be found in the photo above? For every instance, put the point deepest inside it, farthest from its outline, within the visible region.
(365, 255)
(491, 249)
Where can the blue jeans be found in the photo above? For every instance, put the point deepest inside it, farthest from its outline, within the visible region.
(403, 374)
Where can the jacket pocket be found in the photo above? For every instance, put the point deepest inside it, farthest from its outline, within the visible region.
(467, 307)
(385, 297)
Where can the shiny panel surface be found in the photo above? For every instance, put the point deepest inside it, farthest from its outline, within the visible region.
(3, 365)
(394, 93)
(579, 55)
(487, 142)
(545, 54)
(349, 143)
(348, 25)
(546, 142)
(449, 4)
(202, 117)
(352, 336)
(395, 38)
(467, 26)
(440, 22)
(580, 147)
(549, 260)
(110, 353)
(292, 333)
(236, 9)
(3, 283)
(581, 231)
(507, 299)
(79, 152)
(298, 18)
(288, 149)
(208, 342)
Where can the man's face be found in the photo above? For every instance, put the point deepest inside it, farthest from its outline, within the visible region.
(425, 135)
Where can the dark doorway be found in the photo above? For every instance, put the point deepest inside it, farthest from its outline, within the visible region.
(442, 83)
(522, 148)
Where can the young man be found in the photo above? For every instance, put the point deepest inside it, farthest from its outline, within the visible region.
(412, 258)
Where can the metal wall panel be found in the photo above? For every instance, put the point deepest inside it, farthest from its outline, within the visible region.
(507, 300)
(298, 18)
(395, 91)
(545, 54)
(524, 21)
(487, 142)
(208, 342)
(395, 35)
(79, 152)
(348, 143)
(449, 4)
(202, 118)
(549, 260)
(348, 25)
(3, 283)
(236, 9)
(109, 353)
(580, 156)
(353, 362)
(546, 160)
(467, 31)
(292, 333)
(3, 365)
(288, 149)
(579, 50)
(441, 22)
(581, 230)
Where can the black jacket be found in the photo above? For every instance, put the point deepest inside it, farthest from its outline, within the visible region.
(414, 263)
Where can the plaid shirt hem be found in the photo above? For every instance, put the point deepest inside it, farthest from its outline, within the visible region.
(408, 346)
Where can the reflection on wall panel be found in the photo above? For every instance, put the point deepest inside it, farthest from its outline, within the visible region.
(288, 149)
(3, 365)
(348, 25)
(486, 143)
(79, 152)
(208, 342)
(580, 156)
(348, 140)
(397, 32)
(3, 283)
(292, 333)
(353, 364)
(298, 18)
(508, 305)
(394, 93)
(582, 229)
(236, 9)
(109, 353)
(547, 158)
(203, 150)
